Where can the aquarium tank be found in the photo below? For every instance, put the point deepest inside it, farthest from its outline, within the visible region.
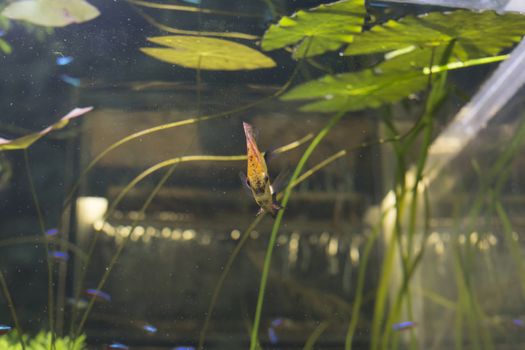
(262, 174)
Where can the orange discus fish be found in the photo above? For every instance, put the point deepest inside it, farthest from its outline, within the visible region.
(257, 178)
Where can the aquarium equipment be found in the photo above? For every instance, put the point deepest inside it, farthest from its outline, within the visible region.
(497, 5)
(496, 91)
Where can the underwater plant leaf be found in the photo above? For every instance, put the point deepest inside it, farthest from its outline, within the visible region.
(207, 53)
(5, 47)
(327, 27)
(51, 13)
(355, 91)
(477, 34)
(27, 140)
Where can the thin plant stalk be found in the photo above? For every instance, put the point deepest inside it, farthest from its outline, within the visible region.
(176, 124)
(277, 223)
(356, 309)
(153, 169)
(469, 307)
(12, 310)
(318, 331)
(39, 239)
(424, 124)
(115, 258)
(174, 30)
(435, 98)
(50, 294)
(244, 237)
(173, 7)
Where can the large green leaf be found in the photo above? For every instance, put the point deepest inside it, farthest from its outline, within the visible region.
(396, 78)
(27, 140)
(355, 91)
(476, 34)
(207, 53)
(326, 27)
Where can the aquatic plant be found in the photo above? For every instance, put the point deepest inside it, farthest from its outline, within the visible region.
(42, 341)
(415, 46)
(51, 13)
(207, 53)
(420, 52)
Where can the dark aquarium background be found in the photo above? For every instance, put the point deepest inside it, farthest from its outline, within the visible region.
(397, 129)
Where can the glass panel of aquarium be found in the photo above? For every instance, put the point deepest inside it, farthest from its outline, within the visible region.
(278, 174)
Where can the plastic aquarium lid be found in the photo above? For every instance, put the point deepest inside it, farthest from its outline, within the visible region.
(497, 5)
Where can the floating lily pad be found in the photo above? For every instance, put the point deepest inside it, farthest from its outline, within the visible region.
(476, 34)
(321, 29)
(356, 91)
(207, 53)
(51, 13)
(27, 140)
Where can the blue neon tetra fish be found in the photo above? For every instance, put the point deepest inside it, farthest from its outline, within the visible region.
(401, 326)
(4, 329)
(151, 329)
(59, 255)
(64, 60)
(98, 295)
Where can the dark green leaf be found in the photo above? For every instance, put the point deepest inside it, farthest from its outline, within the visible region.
(327, 27)
(355, 91)
(476, 34)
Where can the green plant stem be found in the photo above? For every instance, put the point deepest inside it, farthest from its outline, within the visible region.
(115, 258)
(176, 124)
(319, 330)
(514, 248)
(244, 237)
(153, 169)
(222, 278)
(287, 193)
(50, 298)
(39, 239)
(356, 309)
(12, 310)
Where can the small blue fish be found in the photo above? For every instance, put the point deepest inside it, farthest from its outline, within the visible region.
(59, 256)
(378, 4)
(518, 323)
(64, 60)
(52, 232)
(150, 328)
(5, 329)
(277, 322)
(118, 346)
(98, 295)
(194, 2)
(70, 80)
(272, 335)
(2, 33)
(184, 348)
(401, 326)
